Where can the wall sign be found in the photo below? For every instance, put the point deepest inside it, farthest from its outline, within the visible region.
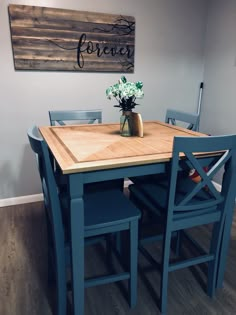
(56, 39)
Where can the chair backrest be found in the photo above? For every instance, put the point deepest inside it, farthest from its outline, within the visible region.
(51, 199)
(173, 116)
(203, 195)
(86, 116)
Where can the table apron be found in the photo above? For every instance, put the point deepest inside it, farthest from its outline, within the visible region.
(123, 172)
(128, 171)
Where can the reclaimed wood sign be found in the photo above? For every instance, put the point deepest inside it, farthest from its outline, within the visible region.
(56, 39)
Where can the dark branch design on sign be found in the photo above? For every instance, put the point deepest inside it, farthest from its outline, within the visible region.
(122, 29)
(56, 39)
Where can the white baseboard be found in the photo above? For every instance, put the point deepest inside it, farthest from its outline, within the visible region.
(33, 198)
(20, 200)
(217, 186)
(39, 197)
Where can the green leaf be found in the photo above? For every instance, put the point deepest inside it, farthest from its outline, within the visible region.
(123, 79)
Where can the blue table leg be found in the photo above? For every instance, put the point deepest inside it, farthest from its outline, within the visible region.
(77, 241)
(225, 244)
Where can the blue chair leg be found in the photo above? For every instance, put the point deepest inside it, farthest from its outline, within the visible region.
(109, 241)
(224, 246)
(61, 297)
(77, 257)
(178, 243)
(133, 263)
(165, 272)
(51, 271)
(118, 242)
(213, 265)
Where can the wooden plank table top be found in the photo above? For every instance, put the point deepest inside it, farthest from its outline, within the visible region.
(82, 148)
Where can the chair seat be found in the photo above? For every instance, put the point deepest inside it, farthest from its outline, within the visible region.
(96, 215)
(121, 211)
(154, 194)
(148, 178)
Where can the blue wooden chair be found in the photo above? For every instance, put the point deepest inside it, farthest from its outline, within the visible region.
(62, 117)
(105, 212)
(174, 116)
(180, 203)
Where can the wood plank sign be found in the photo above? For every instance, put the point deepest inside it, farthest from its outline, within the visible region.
(57, 39)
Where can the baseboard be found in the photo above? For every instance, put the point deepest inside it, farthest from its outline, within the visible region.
(39, 197)
(217, 186)
(20, 200)
(32, 198)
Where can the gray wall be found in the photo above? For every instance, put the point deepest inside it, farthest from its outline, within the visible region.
(219, 97)
(168, 59)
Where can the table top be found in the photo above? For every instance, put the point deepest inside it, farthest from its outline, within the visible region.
(82, 148)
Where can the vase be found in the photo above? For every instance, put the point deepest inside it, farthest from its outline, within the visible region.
(126, 124)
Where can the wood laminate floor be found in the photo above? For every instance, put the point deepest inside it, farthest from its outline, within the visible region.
(23, 275)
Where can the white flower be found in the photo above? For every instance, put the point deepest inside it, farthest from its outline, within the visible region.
(125, 93)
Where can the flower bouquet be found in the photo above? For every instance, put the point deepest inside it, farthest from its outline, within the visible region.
(125, 93)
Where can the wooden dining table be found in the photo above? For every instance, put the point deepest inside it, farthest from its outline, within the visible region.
(94, 153)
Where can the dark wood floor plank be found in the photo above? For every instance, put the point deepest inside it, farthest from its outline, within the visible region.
(23, 275)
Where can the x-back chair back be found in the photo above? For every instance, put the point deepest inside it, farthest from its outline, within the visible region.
(62, 117)
(173, 116)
